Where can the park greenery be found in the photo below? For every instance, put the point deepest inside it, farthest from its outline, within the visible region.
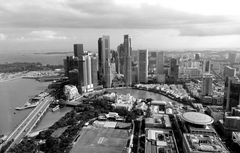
(74, 120)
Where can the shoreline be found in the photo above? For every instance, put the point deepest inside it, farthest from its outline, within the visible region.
(5, 77)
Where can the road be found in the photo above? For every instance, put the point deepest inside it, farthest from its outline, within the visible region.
(26, 126)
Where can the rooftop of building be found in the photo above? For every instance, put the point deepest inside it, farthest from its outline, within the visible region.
(160, 141)
(197, 118)
(162, 120)
(158, 102)
(204, 143)
(215, 108)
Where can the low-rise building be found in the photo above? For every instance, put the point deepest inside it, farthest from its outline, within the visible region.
(198, 123)
(160, 121)
(202, 143)
(71, 92)
(160, 141)
(124, 101)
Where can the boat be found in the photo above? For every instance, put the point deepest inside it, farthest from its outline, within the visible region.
(27, 105)
(55, 108)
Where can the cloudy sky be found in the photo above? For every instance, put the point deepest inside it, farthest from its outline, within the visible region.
(54, 25)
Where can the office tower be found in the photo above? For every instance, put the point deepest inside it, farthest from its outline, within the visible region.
(78, 50)
(78, 69)
(108, 78)
(73, 76)
(232, 57)
(160, 63)
(152, 62)
(115, 60)
(173, 69)
(206, 66)
(135, 73)
(100, 59)
(104, 60)
(160, 67)
(121, 54)
(128, 60)
(197, 56)
(229, 72)
(94, 63)
(82, 74)
(89, 72)
(207, 85)
(231, 94)
(143, 66)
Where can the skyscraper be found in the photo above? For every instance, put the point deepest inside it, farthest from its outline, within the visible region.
(121, 54)
(229, 72)
(173, 69)
(197, 56)
(94, 63)
(104, 60)
(207, 85)
(160, 67)
(128, 60)
(143, 66)
(78, 69)
(78, 50)
(231, 93)
(89, 71)
(206, 66)
(232, 57)
(100, 59)
(160, 63)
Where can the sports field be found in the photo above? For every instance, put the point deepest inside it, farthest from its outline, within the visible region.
(101, 140)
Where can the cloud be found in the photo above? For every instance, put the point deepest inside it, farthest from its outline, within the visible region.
(210, 30)
(2, 36)
(42, 35)
(106, 14)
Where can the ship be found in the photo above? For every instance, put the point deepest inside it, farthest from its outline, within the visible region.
(33, 102)
(27, 105)
(55, 108)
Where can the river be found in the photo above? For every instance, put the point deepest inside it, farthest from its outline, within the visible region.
(16, 92)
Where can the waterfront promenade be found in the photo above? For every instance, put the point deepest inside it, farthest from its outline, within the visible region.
(27, 124)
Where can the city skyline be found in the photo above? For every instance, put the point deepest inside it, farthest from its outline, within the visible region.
(55, 25)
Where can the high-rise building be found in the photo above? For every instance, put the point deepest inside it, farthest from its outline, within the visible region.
(232, 57)
(152, 62)
(78, 69)
(89, 71)
(197, 56)
(143, 66)
(78, 50)
(160, 63)
(206, 66)
(104, 60)
(207, 85)
(229, 72)
(100, 59)
(231, 93)
(121, 55)
(135, 73)
(128, 60)
(115, 60)
(160, 67)
(174, 69)
(94, 63)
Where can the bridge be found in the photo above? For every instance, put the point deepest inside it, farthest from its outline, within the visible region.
(29, 122)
